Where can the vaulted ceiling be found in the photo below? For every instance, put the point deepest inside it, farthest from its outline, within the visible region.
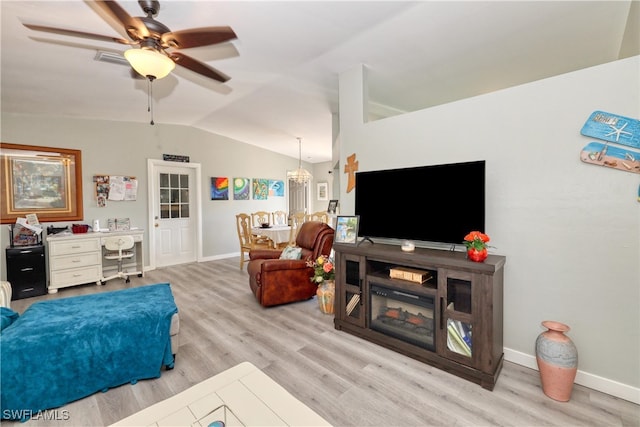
(284, 64)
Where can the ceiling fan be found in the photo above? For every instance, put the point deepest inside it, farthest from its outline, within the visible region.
(157, 52)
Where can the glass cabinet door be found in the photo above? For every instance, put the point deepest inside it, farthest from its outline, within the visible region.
(456, 337)
(350, 299)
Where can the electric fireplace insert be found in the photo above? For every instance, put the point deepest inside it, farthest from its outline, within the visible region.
(402, 315)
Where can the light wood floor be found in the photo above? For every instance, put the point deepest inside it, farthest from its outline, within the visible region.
(348, 381)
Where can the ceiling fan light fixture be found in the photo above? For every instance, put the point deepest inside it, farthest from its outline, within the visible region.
(149, 62)
(299, 175)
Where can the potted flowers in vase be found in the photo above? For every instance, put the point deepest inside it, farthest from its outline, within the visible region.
(324, 275)
(476, 243)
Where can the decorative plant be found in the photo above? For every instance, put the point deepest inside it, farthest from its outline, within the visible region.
(323, 269)
(476, 240)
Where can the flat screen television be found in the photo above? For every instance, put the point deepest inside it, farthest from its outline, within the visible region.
(438, 203)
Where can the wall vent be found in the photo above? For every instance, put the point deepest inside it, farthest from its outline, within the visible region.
(112, 57)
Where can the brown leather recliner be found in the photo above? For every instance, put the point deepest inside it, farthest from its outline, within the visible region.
(277, 281)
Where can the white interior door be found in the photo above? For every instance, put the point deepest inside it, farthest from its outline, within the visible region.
(175, 207)
(298, 197)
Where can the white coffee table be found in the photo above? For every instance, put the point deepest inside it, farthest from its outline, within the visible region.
(240, 396)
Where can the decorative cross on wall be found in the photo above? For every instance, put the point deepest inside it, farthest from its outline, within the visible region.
(351, 168)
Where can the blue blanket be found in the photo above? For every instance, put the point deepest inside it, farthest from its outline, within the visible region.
(62, 350)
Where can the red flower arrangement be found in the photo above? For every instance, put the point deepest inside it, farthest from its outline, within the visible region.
(476, 240)
(476, 243)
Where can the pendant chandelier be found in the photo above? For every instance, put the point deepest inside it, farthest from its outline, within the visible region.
(299, 175)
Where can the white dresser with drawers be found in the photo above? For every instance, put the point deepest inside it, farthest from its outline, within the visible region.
(75, 259)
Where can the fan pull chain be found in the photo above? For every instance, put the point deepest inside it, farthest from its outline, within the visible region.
(150, 98)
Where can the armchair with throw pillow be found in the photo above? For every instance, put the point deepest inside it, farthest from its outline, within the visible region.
(282, 276)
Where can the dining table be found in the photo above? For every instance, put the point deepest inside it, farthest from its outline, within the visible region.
(277, 233)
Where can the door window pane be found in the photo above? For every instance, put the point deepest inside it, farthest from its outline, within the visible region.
(174, 196)
(164, 211)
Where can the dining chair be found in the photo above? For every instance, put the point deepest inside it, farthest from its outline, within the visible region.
(297, 219)
(248, 240)
(321, 216)
(260, 217)
(257, 219)
(279, 218)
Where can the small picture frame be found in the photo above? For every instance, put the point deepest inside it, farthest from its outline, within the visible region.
(333, 206)
(347, 229)
(323, 191)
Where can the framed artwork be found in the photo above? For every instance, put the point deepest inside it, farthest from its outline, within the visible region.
(347, 229)
(276, 188)
(260, 188)
(323, 191)
(333, 206)
(46, 181)
(241, 188)
(219, 188)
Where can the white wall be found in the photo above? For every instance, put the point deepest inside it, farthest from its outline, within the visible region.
(570, 231)
(122, 148)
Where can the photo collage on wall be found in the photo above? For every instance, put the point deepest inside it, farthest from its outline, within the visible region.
(114, 187)
(262, 188)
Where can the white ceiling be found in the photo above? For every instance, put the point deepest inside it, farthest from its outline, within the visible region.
(285, 63)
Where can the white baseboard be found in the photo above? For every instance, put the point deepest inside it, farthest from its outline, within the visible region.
(604, 385)
(218, 257)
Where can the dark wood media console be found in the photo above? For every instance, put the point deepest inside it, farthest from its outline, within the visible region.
(452, 321)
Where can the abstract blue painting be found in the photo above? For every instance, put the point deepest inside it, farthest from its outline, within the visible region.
(276, 188)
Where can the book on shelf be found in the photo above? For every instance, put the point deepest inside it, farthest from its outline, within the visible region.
(457, 344)
(410, 274)
(353, 302)
(463, 329)
(465, 332)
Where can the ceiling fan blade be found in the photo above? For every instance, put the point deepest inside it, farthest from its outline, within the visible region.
(198, 67)
(134, 26)
(196, 37)
(76, 33)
